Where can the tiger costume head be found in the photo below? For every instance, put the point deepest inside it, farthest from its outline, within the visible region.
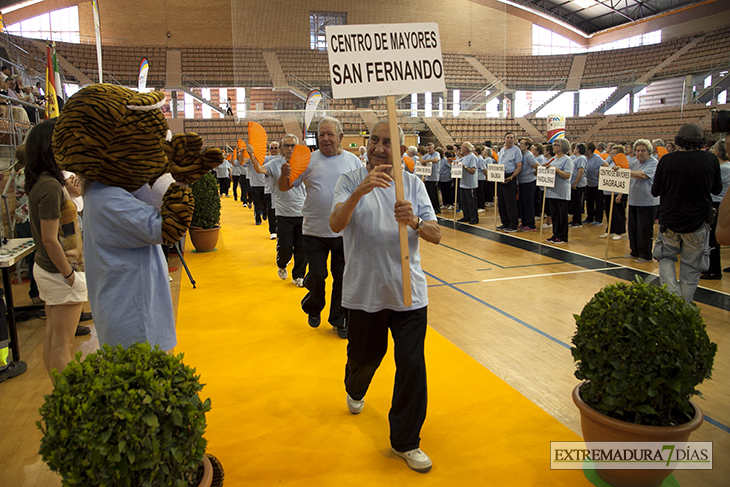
(113, 135)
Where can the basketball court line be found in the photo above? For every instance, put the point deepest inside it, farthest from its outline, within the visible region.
(703, 295)
(719, 425)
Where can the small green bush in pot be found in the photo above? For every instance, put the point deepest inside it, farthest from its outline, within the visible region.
(125, 417)
(642, 351)
(207, 212)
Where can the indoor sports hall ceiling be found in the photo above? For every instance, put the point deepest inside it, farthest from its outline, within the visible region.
(591, 16)
(588, 16)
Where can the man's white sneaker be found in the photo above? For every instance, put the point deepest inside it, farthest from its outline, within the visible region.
(605, 235)
(282, 273)
(415, 459)
(299, 282)
(272, 236)
(355, 406)
(616, 236)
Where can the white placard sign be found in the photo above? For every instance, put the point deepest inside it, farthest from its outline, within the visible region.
(546, 176)
(615, 181)
(422, 169)
(495, 173)
(384, 59)
(457, 170)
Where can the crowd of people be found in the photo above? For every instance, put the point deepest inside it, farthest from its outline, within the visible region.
(648, 213)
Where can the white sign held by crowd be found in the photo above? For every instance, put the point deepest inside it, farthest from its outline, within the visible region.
(457, 171)
(495, 173)
(615, 181)
(384, 59)
(546, 176)
(422, 169)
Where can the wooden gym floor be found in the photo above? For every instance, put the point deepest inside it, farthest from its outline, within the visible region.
(501, 321)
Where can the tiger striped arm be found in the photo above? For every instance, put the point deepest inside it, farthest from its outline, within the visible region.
(185, 160)
(177, 211)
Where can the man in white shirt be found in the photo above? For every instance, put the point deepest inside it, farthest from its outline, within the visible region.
(325, 167)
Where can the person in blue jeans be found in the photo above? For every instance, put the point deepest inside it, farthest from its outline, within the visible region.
(685, 181)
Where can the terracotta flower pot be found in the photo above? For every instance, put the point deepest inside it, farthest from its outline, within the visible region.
(207, 473)
(599, 427)
(203, 239)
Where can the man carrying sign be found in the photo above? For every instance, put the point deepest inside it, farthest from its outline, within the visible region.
(373, 288)
(325, 167)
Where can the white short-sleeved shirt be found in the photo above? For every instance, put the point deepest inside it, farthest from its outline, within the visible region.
(372, 280)
(434, 160)
(320, 178)
(469, 181)
(578, 162)
(221, 171)
(561, 190)
(640, 189)
(288, 203)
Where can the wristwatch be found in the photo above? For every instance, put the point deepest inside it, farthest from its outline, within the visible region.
(420, 224)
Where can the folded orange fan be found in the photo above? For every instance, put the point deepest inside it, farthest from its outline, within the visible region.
(241, 144)
(229, 157)
(257, 139)
(410, 163)
(299, 161)
(661, 151)
(603, 155)
(495, 156)
(621, 161)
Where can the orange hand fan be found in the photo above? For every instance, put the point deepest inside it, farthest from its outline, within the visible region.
(495, 156)
(299, 161)
(621, 161)
(603, 155)
(661, 151)
(257, 139)
(229, 157)
(241, 144)
(410, 163)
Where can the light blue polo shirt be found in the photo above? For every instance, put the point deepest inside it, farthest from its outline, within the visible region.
(372, 280)
(320, 178)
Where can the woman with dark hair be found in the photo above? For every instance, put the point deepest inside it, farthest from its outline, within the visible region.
(60, 286)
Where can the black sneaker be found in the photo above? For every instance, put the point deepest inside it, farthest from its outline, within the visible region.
(314, 320)
(82, 330)
(342, 332)
(86, 316)
(13, 370)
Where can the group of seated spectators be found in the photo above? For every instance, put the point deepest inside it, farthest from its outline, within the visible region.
(11, 108)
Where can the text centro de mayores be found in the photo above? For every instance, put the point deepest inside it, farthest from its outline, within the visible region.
(383, 71)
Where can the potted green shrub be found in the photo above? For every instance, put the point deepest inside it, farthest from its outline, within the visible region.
(641, 351)
(126, 417)
(206, 218)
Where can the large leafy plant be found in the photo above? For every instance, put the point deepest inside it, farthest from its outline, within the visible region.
(643, 351)
(125, 417)
(207, 212)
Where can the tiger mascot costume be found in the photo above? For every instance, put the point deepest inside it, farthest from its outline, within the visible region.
(119, 141)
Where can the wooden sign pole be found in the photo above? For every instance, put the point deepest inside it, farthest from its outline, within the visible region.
(405, 261)
(542, 215)
(496, 205)
(608, 231)
(456, 199)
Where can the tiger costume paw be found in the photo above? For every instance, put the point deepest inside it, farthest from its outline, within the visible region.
(185, 160)
(177, 212)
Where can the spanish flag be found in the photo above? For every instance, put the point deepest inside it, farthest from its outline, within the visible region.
(51, 88)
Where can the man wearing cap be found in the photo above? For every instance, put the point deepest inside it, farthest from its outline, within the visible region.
(684, 180)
